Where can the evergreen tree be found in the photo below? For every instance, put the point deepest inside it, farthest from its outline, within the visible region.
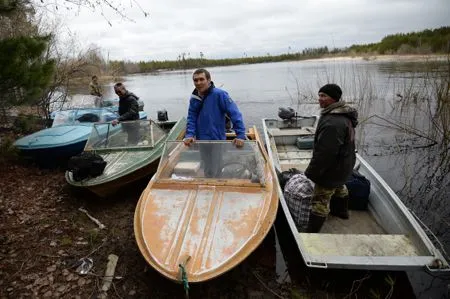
(24, 70)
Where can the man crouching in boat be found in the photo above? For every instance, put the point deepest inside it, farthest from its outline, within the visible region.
(128, 111)
(208, 106)
(333, 157)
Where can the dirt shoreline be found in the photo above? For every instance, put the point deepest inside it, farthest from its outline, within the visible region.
(43, 235)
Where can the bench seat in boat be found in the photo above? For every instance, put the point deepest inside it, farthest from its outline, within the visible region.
(291, 132)
(358, 244)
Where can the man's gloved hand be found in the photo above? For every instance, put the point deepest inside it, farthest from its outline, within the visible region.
(238, 142)
(188, 140)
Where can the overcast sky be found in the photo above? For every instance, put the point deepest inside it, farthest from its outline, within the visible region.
(230, 28)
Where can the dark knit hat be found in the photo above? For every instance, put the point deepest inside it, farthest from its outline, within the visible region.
(332, 90)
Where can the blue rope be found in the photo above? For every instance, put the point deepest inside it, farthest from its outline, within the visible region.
(184, 277)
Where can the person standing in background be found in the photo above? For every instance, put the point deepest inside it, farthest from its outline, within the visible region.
(96, 90)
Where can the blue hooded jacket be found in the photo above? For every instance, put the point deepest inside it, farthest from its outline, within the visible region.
(206, 116)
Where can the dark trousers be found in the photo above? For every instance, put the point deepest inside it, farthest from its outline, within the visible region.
(211, 155)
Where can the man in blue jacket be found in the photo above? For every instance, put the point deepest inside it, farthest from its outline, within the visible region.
(208, 106)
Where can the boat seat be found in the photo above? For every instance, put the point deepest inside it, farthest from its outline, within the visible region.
(358, 244)
(291, 132)
(299, 166)
(292, 157)
(186, 168)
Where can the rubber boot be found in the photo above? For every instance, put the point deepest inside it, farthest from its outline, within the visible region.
(339, 207)
(315, 223)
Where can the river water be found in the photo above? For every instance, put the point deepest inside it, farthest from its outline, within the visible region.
(399, 115)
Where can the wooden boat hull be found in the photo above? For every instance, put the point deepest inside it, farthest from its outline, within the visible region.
(209, 226)
(125, 167)
(385, 237)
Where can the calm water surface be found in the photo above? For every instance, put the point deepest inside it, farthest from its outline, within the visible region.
(417, 173)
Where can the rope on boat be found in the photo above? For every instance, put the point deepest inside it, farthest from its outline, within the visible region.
(184, 278)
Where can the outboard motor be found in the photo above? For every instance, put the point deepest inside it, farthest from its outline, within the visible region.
(162, 115)
(286, 113)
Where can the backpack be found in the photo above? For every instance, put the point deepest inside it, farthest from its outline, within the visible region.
(358, 191)
(86, 164)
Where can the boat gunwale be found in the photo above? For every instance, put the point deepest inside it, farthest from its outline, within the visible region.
(401, 207)
(249, 246)
(358, 262)
(153, 156)
(29, 147)
(213, 182)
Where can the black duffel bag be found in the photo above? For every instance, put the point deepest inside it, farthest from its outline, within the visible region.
(86, 164)
(358, 190)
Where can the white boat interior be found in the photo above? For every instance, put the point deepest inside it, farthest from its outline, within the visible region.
(385, 236)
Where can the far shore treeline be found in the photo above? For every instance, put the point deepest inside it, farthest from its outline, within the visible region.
(435, 41)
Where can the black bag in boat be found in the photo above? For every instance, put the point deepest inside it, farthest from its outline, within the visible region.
(85, 165)
(285, 176)
(359, 190)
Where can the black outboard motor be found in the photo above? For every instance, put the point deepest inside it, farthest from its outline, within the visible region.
(286, 113)
(162, 115)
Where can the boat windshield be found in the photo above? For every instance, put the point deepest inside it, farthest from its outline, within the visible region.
(135, 134)
(212, 160)
(76, 116)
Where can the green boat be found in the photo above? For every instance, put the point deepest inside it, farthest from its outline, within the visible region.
(131, 149)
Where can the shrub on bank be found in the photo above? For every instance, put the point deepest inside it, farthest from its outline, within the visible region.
(8, 152)
(27, 124)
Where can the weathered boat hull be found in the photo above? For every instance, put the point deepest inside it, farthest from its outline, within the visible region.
(209, 225)
(109, 188)
(385, 237)
(127, 166)
(53, 155)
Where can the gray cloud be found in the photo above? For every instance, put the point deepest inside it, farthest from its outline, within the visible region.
(230, 28)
